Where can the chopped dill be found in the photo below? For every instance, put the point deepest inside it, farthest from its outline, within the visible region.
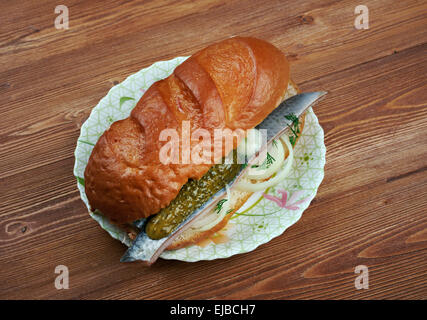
(294, 127)
(274, 143)
(267, 163)
(219, 205)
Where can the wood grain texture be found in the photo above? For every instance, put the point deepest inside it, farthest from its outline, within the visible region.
(370, 209)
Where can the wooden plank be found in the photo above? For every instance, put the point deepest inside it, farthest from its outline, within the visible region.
(68, 103)
(370, 208)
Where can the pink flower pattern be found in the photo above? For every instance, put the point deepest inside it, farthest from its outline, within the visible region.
(283, 201)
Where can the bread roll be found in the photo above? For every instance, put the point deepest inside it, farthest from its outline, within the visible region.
(232, 84)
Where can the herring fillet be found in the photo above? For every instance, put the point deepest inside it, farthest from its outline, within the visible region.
(148, 250)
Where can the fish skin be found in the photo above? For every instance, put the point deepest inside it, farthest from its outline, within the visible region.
(148, 250)
(276, 123)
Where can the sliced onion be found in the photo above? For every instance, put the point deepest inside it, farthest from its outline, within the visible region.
(213, 218)
(278, 153)
(247, 186)
(251, 144)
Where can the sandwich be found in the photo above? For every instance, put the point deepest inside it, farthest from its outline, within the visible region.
(232, 85)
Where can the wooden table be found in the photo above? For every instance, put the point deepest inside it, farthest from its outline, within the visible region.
(370, 209)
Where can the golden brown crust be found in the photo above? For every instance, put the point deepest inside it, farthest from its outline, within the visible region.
(235, 83)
